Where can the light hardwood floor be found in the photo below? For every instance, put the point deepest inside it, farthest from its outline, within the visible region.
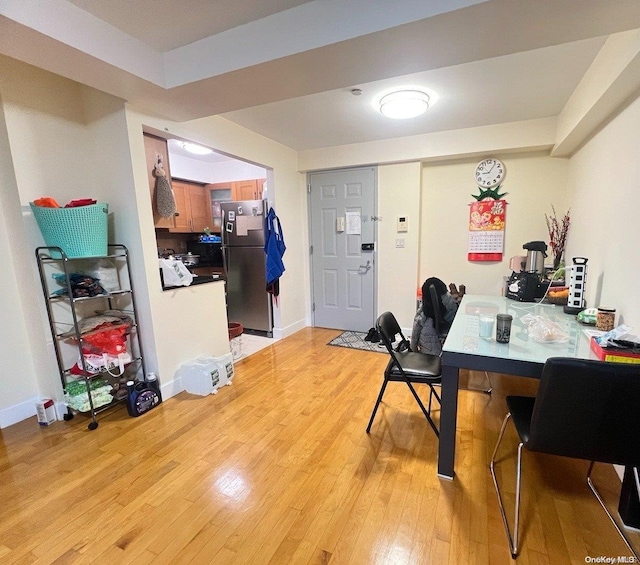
(277, 468)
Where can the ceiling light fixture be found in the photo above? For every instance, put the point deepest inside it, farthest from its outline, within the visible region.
(403, 104)
(195, 148)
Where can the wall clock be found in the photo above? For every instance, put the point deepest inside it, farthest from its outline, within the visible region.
(490, 172)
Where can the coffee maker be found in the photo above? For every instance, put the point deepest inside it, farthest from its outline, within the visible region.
(526, 285)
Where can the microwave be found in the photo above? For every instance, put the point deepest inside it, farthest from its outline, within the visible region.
(210, 253)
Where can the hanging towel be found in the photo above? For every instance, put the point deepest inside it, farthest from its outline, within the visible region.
(274, 248)
(165, 202)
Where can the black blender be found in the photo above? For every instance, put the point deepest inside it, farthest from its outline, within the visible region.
(527, 285)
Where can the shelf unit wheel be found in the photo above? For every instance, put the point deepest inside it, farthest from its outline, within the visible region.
(92, 425)
(68, 416)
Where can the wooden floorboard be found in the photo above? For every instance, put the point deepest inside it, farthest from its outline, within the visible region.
(277, 468)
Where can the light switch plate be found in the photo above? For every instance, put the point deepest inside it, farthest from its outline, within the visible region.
(400, 243)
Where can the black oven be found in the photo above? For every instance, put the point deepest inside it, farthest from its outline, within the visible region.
(210, 253)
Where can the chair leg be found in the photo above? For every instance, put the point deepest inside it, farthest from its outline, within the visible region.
(375, 408)
(597, 495)
(424, 410)
(513, 540)
(487, 390)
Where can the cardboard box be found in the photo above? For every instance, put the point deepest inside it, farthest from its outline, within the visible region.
(614, 354)
(46, 412)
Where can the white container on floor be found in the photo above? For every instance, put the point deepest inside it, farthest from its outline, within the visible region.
(200, 376)
(225, 366)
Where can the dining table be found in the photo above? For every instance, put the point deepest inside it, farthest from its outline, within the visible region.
(522, 356)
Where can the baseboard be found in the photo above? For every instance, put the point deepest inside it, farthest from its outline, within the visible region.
(18, 412)
(279, 333)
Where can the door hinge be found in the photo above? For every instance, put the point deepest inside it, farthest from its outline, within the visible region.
(308, 189)
(311, 250)
(313, 307)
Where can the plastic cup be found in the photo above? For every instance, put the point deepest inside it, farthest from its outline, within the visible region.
(485, 326)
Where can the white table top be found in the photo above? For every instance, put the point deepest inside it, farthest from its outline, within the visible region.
(463, 334)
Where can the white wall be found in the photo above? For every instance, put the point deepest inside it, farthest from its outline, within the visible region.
(604, 180)
(18, 374)
(533, 184)
(397, 268)
(224, 171)
(51, 153)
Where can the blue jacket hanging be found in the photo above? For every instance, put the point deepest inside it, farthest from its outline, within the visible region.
(274, 248)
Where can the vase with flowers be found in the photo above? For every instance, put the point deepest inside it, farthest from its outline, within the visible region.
(558, 230)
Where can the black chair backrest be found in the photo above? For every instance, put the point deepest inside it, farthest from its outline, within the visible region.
(388, 328)
(438, 321)
(588, 410)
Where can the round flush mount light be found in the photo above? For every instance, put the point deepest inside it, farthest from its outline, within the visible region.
(404, 104)
(195, 148)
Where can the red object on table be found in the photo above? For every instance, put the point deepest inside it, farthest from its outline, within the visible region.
(614, 354)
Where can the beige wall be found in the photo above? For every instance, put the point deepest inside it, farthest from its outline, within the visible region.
(397, 268)
(533, 184)
(604, 177)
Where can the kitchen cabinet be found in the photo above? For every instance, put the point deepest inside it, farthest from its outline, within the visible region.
(237, 190)
(90, 386)
(245, 190)
(156, 148)
(192, 207)
(218, 193)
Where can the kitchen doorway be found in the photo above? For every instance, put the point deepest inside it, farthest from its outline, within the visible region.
(201, 183)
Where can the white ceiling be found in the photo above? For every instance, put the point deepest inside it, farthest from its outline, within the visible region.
(285, 68)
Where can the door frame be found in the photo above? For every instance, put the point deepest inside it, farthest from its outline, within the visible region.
(375, 235)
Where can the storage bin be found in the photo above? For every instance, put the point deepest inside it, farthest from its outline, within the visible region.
(200, 376)
(225, 366)
(79, 232)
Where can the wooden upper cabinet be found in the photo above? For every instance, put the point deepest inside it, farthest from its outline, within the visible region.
(245, 190)
(192, 206)
(155, 147)
(200, 209)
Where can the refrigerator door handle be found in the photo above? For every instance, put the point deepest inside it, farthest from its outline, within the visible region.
(222, 229)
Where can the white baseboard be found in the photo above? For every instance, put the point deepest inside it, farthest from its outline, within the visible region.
(27, 409)
(279, 333)
(18, 412)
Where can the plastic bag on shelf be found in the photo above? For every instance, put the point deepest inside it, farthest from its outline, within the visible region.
(81, 285)
(77, 397)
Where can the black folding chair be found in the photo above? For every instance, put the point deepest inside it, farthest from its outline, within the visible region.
(407, 367)
(583, 409)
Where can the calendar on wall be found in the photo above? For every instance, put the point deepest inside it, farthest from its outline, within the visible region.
(486, 230)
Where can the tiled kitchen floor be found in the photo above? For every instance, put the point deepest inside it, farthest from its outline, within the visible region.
(247, 344)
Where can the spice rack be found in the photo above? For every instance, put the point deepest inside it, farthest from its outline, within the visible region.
(103, 389)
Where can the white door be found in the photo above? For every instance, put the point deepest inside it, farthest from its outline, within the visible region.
(342, 223)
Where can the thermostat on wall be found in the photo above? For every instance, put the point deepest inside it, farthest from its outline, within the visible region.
(403, 224)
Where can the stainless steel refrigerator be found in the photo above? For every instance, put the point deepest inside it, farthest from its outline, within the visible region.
(248, 301)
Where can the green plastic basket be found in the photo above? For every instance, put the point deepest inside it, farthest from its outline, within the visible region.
(79, 232)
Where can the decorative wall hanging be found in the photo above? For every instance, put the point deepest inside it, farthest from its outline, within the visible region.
(486, 230)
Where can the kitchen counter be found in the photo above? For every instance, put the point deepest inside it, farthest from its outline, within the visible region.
(198, 279)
